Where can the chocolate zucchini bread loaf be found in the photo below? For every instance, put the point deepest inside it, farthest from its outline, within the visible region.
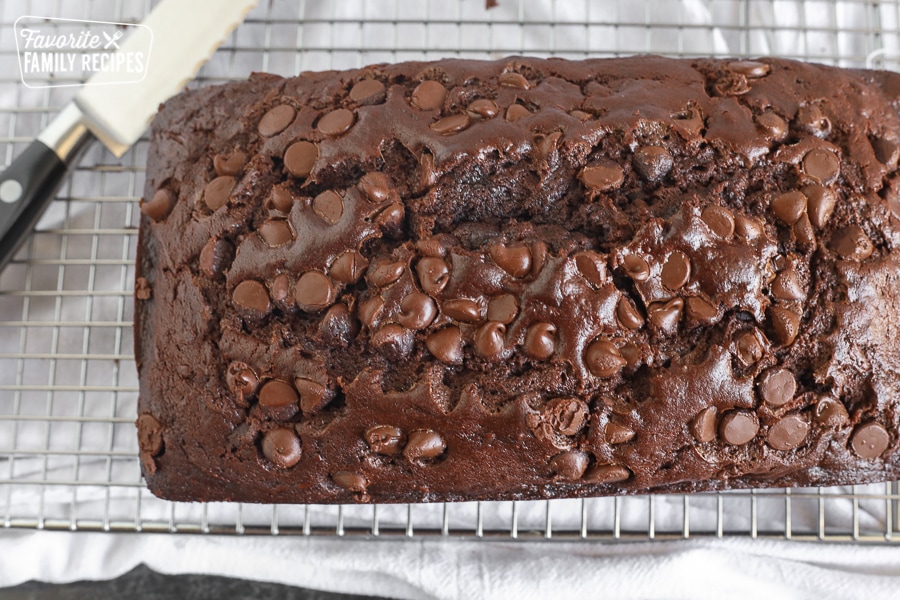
(521, 279)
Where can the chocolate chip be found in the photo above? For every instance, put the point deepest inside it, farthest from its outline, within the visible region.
(251, 295)
(603, 359)
(276, 232)
(788, 433)
(852, 243)
(427, 173)
(870, 440)
(602, 178)
(489, 341)
(785, 323)
(336, 122)
(704, 425)
(329, 205)
(750, 346)
(429, 95)
(592, 267)
(618, 434)
(719, 219)
(338, 327)
(822, 165)
(300, 158)
(417, 311)
(699, 310)
(282, 447)
(313, 395)
(540, 341)
(676, 271)
(689, 120)
(159, 206)
(215, 257)
(747, 228)
(281, 200)
(390, 218)
(652, 162)
(376, 186)
(887, 152)
(636, 267)
(384, 439)
(503, 309)
(241, 381)
(451, 124)
(280, 288)
(788, 207)
(393, 341)
(750, 69)
(446, 345)
(513, 80)
(370, 310)
(777, 386)
(787, 286)
(150, 434)
(313, 291)
(276, 120)
(434, 274)
(367, 91)
(229, 164)
(515, 260)
(571, 465)
(739, 427)
(804, 233)
(581, 115)
(483, 108)
(278, 399)
(665, 315)
(772, 125)
(821, 202)
(811, 119)
(383, 273)
(424, 444)
(462, 310)
(516, 112)
(217, 191)
(627, 314)
(350, 481)
(348, 267)
(831, 413)
(604, 474)
(142, 289)
(567, 416)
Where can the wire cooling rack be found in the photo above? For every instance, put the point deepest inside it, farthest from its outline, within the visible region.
(68, 388)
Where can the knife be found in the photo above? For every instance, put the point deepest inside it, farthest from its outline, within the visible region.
(185, 35)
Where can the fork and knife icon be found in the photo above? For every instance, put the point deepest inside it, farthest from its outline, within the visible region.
(112, 40)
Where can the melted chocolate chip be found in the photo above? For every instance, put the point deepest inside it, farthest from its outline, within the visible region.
(384, 439)
(699, 311)
(636, 267)
(300, 158)
(217, 191)
(592, 267)
(281, 200)
(280, 288)
(788, 207)
(719, 219)
(338, 327)
(804, 233)
(821, 203)
(513, 80)
(215, 257)
(282, 447)
(581, 115)
(276, 232)
(831, 413)
(159, 206)
(451, 124)
(313, 291)
(822, 165)
(747, 228)
(602, 178)
(393, 341)
(483, 108)
(329, 205)
(229, 164)
(489, 340)
(348, 267)
(390, 219)
(750, 346)
(676, 271)
(618, 434)
(540, 341)
(446, 345)
(652, 162)
(276, 120)
(703, 427)
(739, 427)
(434, 274)
(370, 310)
(251, 295)
(772, 125)
(241, 381)
(887, 152)
(603, 359)
(367, 91)
(750, 69)
(811, 119)
(627, 314)
(785, 324)
(547, 144)
(852, 243)
(278, 399)
(516, 112)
(571, 465)
(383, 273)
(665, 315)
(787, 286)
(417, 311)
(515, 260)
(336, 122)
(313, 395)
(870, 440)
(351, 481)
(788, 433)
(777, 386)
(462, 310)
(429, 95)
(604, 474)
(376, 186)
(424, 444)
(503, 309)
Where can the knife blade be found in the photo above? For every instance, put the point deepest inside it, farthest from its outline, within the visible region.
(184, 36)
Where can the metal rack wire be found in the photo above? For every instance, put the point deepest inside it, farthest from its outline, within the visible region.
(68, 387)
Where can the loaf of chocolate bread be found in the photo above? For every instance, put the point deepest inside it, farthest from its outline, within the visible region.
(521, 279)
